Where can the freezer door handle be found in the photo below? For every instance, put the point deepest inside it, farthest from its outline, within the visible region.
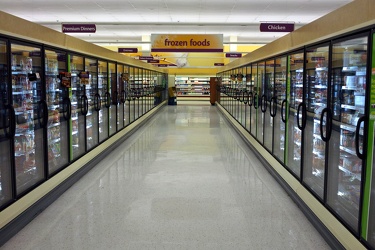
(116, 98)
(86, 101)
(263, 103)
(283, 110)
(85, 105)
(67, 108)
(273, 106)
(123, 96)
(250, 98)
(255, 100)
(328, 114)
(11, 117)
(42, 113)
(302, 106)
(245, 96)
(240, 95)
(97, 102)
(360, 155)
(107, 99)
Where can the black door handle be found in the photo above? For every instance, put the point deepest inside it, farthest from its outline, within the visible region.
(324, 137)
(42, 113)
(283, 118)
(263, 103)
(273, 106)
(67, 108)
(245, 97)
(107, 96)
(9, 115)
(85, 105)
(256, 101)
(250, 99)
(115, 98)
(123, 96)
(303, 107)
(82, 104)
(97, 102)
(360, 155)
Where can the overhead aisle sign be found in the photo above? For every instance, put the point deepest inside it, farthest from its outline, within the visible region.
(276, 27)
(186, 43)
(78, 28)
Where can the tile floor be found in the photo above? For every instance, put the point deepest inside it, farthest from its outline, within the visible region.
(183, 181)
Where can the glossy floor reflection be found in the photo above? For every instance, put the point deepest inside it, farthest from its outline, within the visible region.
(183, 181)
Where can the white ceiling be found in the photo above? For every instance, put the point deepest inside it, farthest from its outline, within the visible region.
(126, 21)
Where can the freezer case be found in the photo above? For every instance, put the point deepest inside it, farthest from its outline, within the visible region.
(57, 97)
(294, 110)
(6, 133)
(278, 108)
(78, 107)
(121, 97)
(269, 105)
(92, 103)
(317, 117)
(346, 145)
(113, 99)
(30, 111)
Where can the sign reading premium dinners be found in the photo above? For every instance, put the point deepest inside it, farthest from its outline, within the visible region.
(78, 28)
(186, 43)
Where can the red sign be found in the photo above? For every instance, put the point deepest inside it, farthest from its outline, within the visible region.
(78, 28)
(153, 61)
(276, 27)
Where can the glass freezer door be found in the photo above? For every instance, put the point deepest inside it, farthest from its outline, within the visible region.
(294, 113)
(316, 136)
(269, 104)
(113, 99)
(249, 90)
(121, 97)
(262, 102)
(30, 110)
(126, 79)
(92, 103)
(277, 108)
(6, 133)
(348, 102)
(78, 108)
(57, 96)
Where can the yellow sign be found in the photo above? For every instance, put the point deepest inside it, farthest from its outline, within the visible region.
(186, 43)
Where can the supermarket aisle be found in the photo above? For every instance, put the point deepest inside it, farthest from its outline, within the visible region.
(183, 181)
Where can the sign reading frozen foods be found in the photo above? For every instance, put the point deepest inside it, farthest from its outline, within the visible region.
(78, 28)
(127, 50)
(276, 27)
(186, 43)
